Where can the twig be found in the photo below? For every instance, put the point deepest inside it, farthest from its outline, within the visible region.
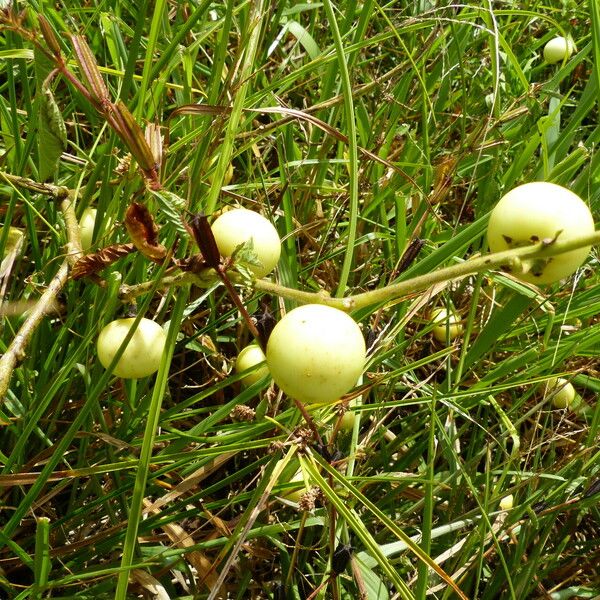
(16, 350)
(47, 189)
(487, 262)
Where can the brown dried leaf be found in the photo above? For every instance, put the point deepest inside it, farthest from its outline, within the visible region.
(193, 264)
(199, 110)
(144, 232)
(92, 263)
(290, 113)
(183, 540)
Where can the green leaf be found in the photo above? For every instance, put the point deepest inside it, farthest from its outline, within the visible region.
(375, 588)
(171, 205)
(304, 39)
(16, 53)
(52, 134)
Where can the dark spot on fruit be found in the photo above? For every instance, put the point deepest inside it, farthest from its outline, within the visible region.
(507, 239)
(534, 238)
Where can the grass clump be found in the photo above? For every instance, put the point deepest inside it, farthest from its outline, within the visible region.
(376, 138)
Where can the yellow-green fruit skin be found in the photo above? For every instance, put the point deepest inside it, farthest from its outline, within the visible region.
(316, 353)
(561, 391)
(238, 226)
(86, 227)
(249, 357)
(295, 493)
(441, 317)
(143, 353)
(538, 211)
(557, 49)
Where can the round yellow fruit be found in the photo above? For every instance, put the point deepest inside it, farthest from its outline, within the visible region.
(316, 353)
(143, 353)
(237, 226)
(557, 49)
(446, 324)
(536, 212)
(247, 359)
(561, 392)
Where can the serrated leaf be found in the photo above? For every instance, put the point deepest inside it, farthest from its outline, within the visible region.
(52, 134)
(245, 254)
(42, 66)
(244, 257)
(171, 205)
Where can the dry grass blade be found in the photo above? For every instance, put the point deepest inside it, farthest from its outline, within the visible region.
(182, 539)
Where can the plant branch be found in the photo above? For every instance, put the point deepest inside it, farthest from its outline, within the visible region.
(480, 264)
(487, 262)
(48, 300)
(58, 192)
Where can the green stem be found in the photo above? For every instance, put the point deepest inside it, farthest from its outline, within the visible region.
(42, 564)
(481, 264)
(468, 267)
(139, 489)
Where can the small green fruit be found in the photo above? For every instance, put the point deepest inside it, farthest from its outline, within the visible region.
(507, 502)
(561, 392)
(247, 359)
(295, 492)
(316, 353)
(557, 49)
(143, 353)
(86, 227)
(12, 249)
